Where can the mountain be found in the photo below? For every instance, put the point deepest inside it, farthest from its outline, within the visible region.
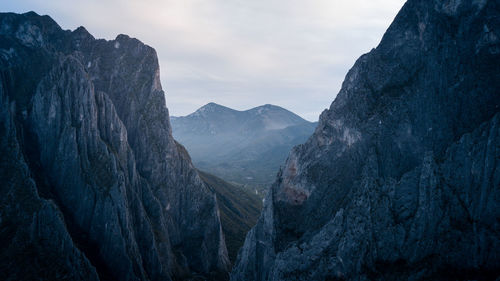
(215, 119)
(245, 147)
(239, 210)
(401, 179)
(92, 184)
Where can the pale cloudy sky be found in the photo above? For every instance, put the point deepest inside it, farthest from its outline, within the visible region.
(241, 54)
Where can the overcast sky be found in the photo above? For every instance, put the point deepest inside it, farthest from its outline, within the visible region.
(241, 54)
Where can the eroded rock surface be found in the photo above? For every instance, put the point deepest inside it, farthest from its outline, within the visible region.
(93, 186)
(401, 179)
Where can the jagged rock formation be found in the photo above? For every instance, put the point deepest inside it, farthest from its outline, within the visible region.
(401, 179)
(245, 147)
(239, 211)
(93, 186)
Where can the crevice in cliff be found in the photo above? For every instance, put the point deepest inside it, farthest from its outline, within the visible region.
(30, 149)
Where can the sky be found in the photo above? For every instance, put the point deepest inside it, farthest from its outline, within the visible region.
(241, 54)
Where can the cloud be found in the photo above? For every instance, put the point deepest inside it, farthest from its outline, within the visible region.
(238, 53)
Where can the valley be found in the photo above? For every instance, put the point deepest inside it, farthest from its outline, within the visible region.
(239, 211)
(247, 147)
(398, 180)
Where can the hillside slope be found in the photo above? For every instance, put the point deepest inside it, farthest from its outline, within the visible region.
(239, 211)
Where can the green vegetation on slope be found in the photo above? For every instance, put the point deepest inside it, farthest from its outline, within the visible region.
(239, 211)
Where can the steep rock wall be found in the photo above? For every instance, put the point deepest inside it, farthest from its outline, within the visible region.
(86, 122)
(401, 179)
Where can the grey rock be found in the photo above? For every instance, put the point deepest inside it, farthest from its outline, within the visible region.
(401, 179)
(32, 229)
(89, 124)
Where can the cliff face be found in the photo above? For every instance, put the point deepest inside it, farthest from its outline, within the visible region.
(93, 184)
(401, 179)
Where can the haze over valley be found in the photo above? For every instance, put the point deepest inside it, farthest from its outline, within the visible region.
(244, 147)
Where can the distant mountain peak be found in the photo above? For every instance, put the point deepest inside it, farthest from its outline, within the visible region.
(245, 146)
(221, 119)
(208, 108)
(268, 106)
(212, 107)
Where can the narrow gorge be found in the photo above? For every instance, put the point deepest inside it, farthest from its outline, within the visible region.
(400, 179)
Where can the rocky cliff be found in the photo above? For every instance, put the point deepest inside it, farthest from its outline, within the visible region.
(401, 179)
(93, 186)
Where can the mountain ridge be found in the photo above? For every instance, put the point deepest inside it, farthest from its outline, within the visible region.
(211, 106)
(246, 147)
(223, 113)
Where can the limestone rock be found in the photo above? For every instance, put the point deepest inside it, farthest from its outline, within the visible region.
(401, 179)
(109, 194)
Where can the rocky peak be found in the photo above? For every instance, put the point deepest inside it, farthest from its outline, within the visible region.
(371, 195)
(81, 33)
(87, 132)
(32, 30)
